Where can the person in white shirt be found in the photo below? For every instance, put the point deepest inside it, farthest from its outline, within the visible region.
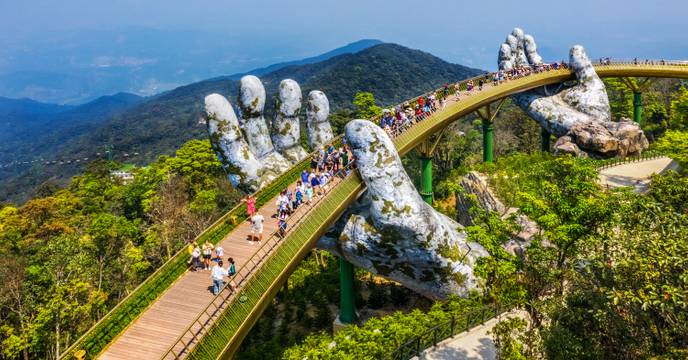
(257, 227)
(219, 252)
(218, 274)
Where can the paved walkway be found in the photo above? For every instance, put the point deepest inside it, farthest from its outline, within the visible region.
(474, 344)
(635, 174)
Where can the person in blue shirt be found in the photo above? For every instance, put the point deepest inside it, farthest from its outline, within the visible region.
(304, 176)
(314, 184)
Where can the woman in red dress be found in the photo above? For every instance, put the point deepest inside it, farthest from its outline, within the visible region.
(250, 205)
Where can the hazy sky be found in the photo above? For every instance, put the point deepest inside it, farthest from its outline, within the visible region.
(468, 32)
(48, 47)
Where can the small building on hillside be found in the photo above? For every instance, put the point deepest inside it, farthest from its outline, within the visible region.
(122, 175)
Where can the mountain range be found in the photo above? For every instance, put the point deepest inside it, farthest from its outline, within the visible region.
(157, 125)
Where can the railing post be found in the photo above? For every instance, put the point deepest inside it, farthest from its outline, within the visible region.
(347, 298)
(426, 178)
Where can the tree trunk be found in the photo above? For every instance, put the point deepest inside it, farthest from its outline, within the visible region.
(100, 272)
(57, 337)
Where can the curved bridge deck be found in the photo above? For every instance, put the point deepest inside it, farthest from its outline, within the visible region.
(188, 322)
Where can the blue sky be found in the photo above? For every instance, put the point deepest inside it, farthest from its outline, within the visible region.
(261, 32)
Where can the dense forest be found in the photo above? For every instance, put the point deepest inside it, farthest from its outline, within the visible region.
(610, 262)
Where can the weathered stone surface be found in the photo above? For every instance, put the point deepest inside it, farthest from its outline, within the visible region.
(565, 145)
(252, 102)
(245, 147)
(317, 111)
(477, 190)
(286, 130)
(244, 169)
(402, 237)
(580, 112)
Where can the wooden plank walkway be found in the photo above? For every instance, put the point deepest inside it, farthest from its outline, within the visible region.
(157, 329)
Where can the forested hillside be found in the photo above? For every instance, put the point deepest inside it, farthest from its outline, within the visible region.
(161, 124)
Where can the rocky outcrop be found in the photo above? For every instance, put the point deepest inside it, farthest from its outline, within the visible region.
(580, 113)
(476, 192)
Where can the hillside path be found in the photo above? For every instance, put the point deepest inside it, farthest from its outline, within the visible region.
(474, 344)
(635, 174)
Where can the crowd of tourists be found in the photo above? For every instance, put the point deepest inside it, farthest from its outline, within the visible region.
(315, 182)
(209, 257)
(400, 118)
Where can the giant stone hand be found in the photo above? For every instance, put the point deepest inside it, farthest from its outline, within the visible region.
(245, 147)
(393, 232)
(578, 115)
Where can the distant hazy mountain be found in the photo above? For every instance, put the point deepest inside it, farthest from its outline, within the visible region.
(74, 67)
(161, 124)
(23, 120)
(31, 131)
(352, 48)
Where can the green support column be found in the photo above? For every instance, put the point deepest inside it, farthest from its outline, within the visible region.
(426, 179)
(488, 141)
(347, 300)
(544, 140)
(637, 107)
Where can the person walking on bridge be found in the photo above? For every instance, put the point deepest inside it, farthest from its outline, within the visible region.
(257, 227)
(207, 254)
(218, 274)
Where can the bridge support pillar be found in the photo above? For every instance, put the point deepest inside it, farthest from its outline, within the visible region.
(637, 107)
(426, 179)
(426, 150)
(488, 141)
(347, 297)
(545, 137)
(637, 86)
(488, 116)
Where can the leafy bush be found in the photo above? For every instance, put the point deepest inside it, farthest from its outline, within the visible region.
(378, 337)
